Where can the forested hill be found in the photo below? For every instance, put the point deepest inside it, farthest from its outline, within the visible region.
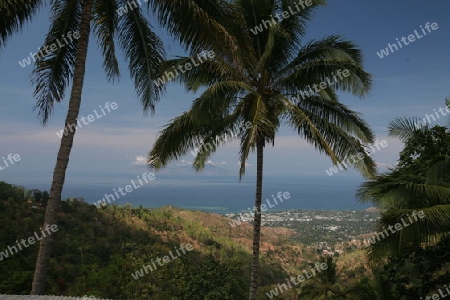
(101, 252)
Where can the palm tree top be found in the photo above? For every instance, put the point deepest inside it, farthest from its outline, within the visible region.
(258, 84)
(142, 49)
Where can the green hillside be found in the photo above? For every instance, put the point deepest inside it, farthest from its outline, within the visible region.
(97, 251)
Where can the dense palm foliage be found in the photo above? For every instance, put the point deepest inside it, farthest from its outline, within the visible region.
(255, 87)
(421, 270)
(420, 182)
(324, 285)
(376, 288)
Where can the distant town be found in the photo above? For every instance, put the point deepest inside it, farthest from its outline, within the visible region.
(322, 229)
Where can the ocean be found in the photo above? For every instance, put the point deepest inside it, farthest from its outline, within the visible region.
(225, 194)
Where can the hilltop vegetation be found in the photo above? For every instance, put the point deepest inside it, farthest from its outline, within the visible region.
(97, 250)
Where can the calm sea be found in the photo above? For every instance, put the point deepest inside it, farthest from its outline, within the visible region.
(225, 194)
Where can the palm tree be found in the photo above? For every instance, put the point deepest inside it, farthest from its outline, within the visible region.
(143, 51)
(324, 285)
(190, 21)
(420, 182)
(253, 87)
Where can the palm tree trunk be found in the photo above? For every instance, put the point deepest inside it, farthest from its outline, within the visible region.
(257, 221)
(62, 160)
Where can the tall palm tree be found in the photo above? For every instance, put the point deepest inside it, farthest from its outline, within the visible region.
(143, 51)
(254, 87)
(420, 182)
(52, 74)
(142, 48)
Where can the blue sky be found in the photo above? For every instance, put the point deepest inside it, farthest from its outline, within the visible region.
(409, 82)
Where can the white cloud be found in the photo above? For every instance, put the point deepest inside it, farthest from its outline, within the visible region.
(210, 162)
(184, 163)
(246, 164)
(385, 165)
(140, 160)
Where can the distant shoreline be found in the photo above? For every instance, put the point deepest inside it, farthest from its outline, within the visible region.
(224, 194)
(224, 211)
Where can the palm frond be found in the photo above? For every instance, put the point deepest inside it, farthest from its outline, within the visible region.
(330, 138)
(265, 60)
(439, 174)
(173, 142)
(403, 190)
(204, 136)
(219, 99)
(414, 227)
(404, 128)
(208, 72)
(299, 120)
(221, 132)
(292, 30)
(337, 113)
(105, 24)
(53, 73)
(254, 110)
(319, 60)
(144, 52)
(14, 14)
(201, 24)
